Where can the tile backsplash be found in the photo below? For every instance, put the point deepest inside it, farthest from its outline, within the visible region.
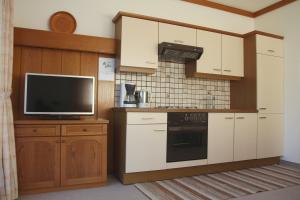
(169, 87)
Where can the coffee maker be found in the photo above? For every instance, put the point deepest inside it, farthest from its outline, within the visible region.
(127, 98)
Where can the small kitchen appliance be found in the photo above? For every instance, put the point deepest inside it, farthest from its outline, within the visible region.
(127, 98)
(142, 98)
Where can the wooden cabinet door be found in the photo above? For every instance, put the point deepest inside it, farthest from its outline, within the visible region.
(139, 43)
(38, 162)
(245, 136)
(269, 84)
(83, 160)
(232, 56)
(220, 137)
(270, 135)
(210, 61)
(146, 147)
(177, 34)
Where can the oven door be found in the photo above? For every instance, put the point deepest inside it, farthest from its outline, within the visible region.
(186, 143)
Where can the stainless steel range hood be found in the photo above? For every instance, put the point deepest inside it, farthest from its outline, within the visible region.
(179, 53)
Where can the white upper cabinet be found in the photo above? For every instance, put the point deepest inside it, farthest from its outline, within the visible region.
(139, 42)
(220, 137)
(269, 46)
(232, 56)
(245, 136)
(210, 61)
(269, 84)
(177, 34)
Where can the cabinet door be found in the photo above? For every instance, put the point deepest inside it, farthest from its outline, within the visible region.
(83, 160)
(232, 56)
(210, 61)
(139, 43)
(269, 84)
(177, 34)
(38, 162)
(269, 46)
(245, 136)
(146, 147)
(220, 137)
(270, 135)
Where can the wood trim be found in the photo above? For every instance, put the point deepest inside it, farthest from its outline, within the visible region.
(60, 122)
(221, 7)
(130, 178)
(127, 14)
(263, 33)
(137, 70)
(272, 7)
(238, 11)
(54, 40)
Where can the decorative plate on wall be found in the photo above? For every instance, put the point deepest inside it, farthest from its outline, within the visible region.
(62, 22)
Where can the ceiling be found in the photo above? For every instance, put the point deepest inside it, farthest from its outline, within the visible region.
(249, 5)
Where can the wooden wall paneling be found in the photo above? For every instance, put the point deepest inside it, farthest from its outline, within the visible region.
(16, 81)
(243, 92)
(89, 67)
(71, 62)
(31, 61)
(51, 61)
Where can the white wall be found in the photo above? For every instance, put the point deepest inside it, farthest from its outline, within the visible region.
(94, 16)
(285, 21)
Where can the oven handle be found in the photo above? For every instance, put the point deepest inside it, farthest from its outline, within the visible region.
(181, 144)
(176, 128)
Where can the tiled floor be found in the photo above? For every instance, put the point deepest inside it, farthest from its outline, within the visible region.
(114, 190)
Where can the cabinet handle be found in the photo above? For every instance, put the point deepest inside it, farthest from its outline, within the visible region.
(262, 117)
(147, 118)
(151, 63)
(84, 130)
(215, 69)
(227, 70)
(262, 108)
(178, 41)
(240, 118)
(271, 51)
(34, 130)
(159, 130)
(228, 117)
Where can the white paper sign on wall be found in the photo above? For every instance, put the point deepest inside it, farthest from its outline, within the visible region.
(106, 69)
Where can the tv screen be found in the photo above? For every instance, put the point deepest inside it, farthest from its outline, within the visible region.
(47, 94)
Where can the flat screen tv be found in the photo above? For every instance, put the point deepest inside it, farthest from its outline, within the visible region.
(49, 94)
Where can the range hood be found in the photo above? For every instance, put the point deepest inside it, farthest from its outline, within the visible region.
(179, 53)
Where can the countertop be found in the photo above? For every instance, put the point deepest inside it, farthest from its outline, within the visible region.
(184, 110)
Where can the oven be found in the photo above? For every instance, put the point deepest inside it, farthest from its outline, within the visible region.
(187, 136)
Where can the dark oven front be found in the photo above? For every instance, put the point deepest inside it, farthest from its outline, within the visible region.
(187, 136)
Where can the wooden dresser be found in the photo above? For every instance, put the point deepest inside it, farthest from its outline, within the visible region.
(55, 155)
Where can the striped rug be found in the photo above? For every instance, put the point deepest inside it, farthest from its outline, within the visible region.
(225, 185)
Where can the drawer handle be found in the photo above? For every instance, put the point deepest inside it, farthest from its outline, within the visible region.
(262, 108)
(160, 130)
(147, 118)
(262, 117)
(34, 130)
(240, 118)
(228, 117)
(271, 51)
(215, 69)
(178, 41)
(227, 70)
(151, 63)
(84, 130)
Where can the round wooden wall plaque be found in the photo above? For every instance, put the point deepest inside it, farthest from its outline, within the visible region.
(62, 22)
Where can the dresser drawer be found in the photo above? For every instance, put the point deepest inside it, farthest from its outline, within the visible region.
(269, 46)
(92, 129)
(37, 130)
(146, 118)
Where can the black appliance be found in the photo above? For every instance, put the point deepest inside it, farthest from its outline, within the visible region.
(179, 53)
(47, 94)
(187, 136)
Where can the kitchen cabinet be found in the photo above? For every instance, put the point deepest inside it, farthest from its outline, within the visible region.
(232, 56)
(177, 34)
(269, 46)
(210, 61)
(138, 45)
(220, 137)
(270, 135)
(146, 147)
(245, 136)
(269, 84)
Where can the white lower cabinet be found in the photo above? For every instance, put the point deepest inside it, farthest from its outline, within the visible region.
(220, 137)
(245, 136)
(270, 135)
(146, 147)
